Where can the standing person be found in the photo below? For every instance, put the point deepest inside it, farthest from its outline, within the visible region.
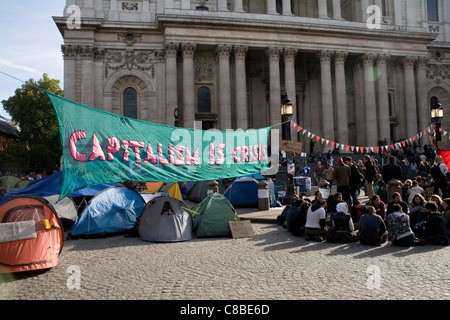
(435, 226)
(342, 175)
(369, 175)
(391, 171)
(318, 172)
(438, 172)
(399, 230)
(328, 174)
(354, 178)
(372, 229)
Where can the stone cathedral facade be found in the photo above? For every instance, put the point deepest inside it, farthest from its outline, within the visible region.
(355, 74)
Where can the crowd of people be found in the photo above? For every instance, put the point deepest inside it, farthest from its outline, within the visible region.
(403, 210)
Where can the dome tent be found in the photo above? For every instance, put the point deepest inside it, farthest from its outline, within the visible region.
(31, 235)
(165, 219)
(113, 210)
(243, 192)
(212, 217)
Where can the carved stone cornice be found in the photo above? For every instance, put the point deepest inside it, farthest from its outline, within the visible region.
(240, 52)
(340, 57)
(438, 72)
(273, 53)
(223, 51)
(325, 56)
(188, 50)
(140, 59)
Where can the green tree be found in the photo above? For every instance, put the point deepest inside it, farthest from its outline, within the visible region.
(33, 111)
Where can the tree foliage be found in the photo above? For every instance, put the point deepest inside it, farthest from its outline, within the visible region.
(33, 111)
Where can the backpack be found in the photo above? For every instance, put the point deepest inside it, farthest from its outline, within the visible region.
(361, 181)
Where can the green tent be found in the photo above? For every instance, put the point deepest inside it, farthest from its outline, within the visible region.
(9, 181)
(212, 217)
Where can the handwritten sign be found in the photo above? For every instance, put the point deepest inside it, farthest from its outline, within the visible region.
(291, 146)
(241, 229)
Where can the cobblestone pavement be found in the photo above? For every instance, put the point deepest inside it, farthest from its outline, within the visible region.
(274, 265)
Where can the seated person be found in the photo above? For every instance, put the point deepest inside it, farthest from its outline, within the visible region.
(372, 230)
(396, 199)
(435, 226)
(418, 214)
(299, 221)
(357, 211)
(341, 226)
(316, 220)
(399, 230)
(379, 206)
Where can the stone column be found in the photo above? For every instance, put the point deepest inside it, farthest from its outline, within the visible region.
(364, 5)
(370, 101)
(99, 55)
(398, 20)
(271, 7)
(222, 5)
(327, 95)
(337, 11)
(275, 88)
(360, 111)
(323, 9)
(422, 94)
(384, 121)
(240, 53)
(287, 10)
(188, 113)
(341, 97)
(70, 68)
(290, 83)
(223, 53)
(171, 51)
(238, 7)
(87, 76)
(410, 96)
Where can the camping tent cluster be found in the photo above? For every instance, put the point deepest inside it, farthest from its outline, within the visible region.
(34, 220)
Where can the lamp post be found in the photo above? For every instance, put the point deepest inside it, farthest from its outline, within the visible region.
(287, 111)
(437, 114)
(175, 115)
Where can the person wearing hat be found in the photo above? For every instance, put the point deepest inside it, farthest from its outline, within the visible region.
(316, 220)
(342, 229)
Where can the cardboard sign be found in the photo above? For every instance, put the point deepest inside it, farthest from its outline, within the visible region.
(241, 229)
(291, 146)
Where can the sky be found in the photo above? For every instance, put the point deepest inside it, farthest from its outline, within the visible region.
(30, 44)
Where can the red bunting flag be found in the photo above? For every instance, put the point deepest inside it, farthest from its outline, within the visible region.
(318, 138)
(293, 124)
(299, 129)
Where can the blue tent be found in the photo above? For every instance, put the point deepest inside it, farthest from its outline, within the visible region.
(243, 192)
(50, 186)
(113, 210)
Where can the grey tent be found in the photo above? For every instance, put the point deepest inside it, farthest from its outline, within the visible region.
(165, 219)
(65, 209)
(199, 191)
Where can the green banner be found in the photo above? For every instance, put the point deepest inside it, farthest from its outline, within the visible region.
(100, 147)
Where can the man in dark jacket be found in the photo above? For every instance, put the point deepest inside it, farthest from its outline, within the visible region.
(435, 226)
(342, 174)
(372, 228)
(391, 171)
(354, 182)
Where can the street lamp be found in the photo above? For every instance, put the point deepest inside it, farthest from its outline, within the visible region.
(175, 115)
(437, 114)
(287, 111)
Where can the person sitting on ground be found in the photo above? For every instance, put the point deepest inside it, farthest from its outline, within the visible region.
(372, 229)
(317, 196)
(333, 200)
(417, 212)
(435, 226)
(380, 207)
(399, 230)
(382, 192)
(396, 199)
(436, 199)
(446, 214)
(341, 226)
(316, 220)
(292, 212)
(299, 220)
(357, 211)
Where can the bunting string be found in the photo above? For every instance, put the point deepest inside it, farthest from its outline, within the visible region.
(358, 149)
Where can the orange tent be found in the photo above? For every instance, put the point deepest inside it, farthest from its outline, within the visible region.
(31, 235)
